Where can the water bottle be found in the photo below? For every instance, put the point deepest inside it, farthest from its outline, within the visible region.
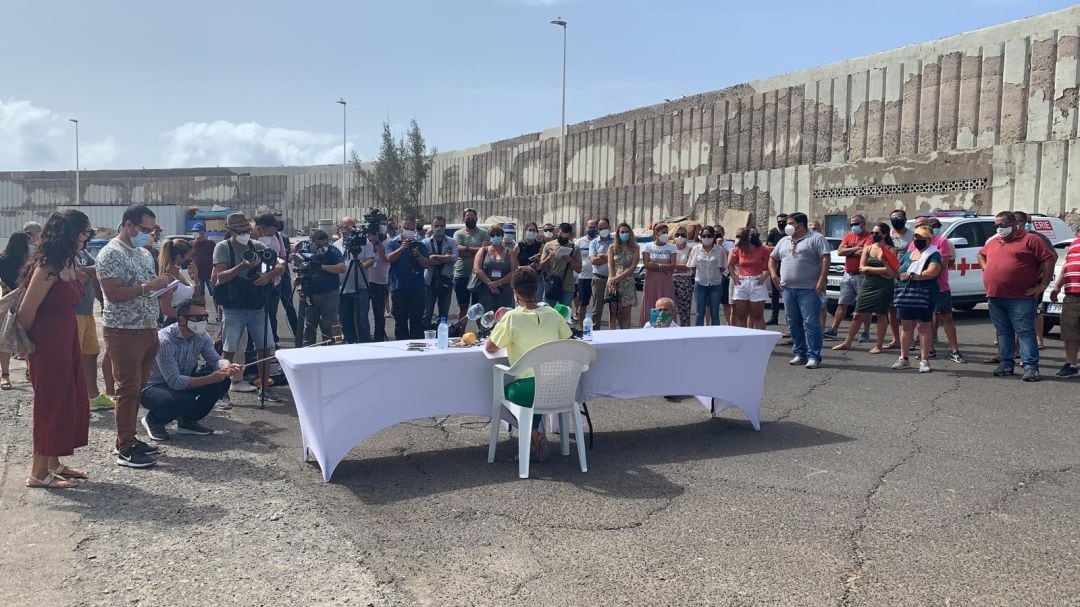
(444, 334)
(586, 327)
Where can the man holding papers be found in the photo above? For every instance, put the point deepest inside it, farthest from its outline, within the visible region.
(559, 259)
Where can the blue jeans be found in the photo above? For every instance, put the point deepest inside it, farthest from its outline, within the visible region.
(803, 307)
(708, 296)
(236, 320)
(1012, 318)
(353, 311)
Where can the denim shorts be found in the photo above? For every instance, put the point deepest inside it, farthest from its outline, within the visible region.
(236, 320)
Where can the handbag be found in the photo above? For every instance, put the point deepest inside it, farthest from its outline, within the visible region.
(475, 284)
(553, 287)
(13, 337)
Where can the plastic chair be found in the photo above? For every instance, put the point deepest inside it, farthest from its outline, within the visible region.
(557, 366)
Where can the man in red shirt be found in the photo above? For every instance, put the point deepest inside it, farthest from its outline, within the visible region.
(1069, 281)
(1017, 265)
(851, 248)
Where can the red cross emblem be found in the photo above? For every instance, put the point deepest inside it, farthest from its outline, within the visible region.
(964, 266)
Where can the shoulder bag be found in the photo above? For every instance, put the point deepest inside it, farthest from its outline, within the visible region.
(13, 337)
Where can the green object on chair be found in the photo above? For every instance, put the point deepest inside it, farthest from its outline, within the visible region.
(521, 392)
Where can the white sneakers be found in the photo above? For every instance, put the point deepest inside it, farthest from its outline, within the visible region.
(810, 364)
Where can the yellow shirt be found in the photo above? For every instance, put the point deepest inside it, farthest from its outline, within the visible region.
(522, 329)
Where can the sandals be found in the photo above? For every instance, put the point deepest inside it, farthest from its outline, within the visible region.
(51, 481)
(66, 472)
(5, 381)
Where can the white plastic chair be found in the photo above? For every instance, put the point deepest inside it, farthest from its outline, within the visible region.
(557, 366)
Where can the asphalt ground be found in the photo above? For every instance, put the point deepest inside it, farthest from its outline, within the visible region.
(865, 486)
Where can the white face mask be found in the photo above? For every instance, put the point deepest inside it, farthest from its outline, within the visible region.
(1004, 232)
(197, 327)
(549, 235)
(705, 240)
(605, 233)
(663, 238)
(680, 240)
(406, 234)
(789, 230)
(243, 238)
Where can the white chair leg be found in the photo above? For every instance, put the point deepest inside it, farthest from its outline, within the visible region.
(564, 433)
(495, 423)
(579, 437)
(524, 442)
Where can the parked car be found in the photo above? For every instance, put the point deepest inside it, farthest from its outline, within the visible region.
(967, 232)
(1051, 310)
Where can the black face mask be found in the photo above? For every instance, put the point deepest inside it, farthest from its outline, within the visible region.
(781, 224)
(898, 222)
(564, 240)
(921, 244)
(280, 226)
(185, 265)
(470, 223)
(877, 237)
(755, 240)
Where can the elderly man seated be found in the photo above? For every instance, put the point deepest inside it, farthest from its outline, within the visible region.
(179, 389)
(665, 312)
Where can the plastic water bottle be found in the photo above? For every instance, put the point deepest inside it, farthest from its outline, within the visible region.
(586, 327)
(444, 334)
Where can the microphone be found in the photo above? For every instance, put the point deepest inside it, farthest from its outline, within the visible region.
(474, 312)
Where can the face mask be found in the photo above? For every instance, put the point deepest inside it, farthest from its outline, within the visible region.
(470, 223)
(563, 240)
(789, 230)
(680, 240)
(877, 237)
(856, 230)
(898, 222)
(937, 231)
(197, 327)
(407, 234)
(755, 240)
(185, 265)
(530, 235)
(496, 240)
(280, 226)
(242, 238)
(1029, 227)
(781, 224)
(920, 243)
(592, 232)
(30, 249)
(705, 240)
(140, 240)
(439, 231)
(1004, 231)
(605, 233)
(383, 229)
(624, 236)
(267, 240)
(663, 238)
(549, 235)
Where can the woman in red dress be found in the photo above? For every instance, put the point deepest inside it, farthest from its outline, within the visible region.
(61, 408)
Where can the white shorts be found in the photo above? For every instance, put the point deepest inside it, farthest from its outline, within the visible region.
(748, 289)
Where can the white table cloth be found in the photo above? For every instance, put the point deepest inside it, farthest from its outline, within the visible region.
(346, 393)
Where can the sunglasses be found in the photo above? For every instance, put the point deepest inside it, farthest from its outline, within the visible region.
(145, 230)
(197, 317)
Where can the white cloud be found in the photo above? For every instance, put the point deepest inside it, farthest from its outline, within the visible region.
(223, 143)
(35, 138)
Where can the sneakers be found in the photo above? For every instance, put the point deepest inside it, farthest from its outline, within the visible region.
(798, 360)
(242, 386)
(829, 334)
(192, 428)
(1003, 371)
(931, 355)
(1031, 374)
(924, 366)
(156, 432)
(224, 404)
(901, 363)
(957, 357)
(102, 401)
(864, 337)
(134, 457)
(813, 364)
(772, 321)
(1068, 370)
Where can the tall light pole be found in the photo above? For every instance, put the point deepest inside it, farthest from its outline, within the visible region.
(344, 153)
(78, 192)
(562, 131)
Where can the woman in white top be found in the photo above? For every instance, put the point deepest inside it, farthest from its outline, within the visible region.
(683, 277)
(174, 261)
(659, 260)
(709, 261)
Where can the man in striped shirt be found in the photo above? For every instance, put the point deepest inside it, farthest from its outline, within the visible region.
(1069, 282)
(179, 389)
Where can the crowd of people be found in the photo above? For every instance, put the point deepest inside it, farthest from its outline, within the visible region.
(161, 356)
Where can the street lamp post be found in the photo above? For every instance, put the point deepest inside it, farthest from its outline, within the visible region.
(78, 192)
(562, 131)
(344, 153)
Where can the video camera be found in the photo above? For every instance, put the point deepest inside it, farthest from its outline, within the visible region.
(307, 262)
(265, 257)
(354, 239)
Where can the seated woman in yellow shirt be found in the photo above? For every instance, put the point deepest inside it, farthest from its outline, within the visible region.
(521, 330)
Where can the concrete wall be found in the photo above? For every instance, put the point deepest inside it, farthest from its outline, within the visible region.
(985, 120)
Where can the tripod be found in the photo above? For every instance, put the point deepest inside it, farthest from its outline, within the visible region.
(355, 269)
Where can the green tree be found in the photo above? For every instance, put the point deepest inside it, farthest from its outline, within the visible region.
(397, 176)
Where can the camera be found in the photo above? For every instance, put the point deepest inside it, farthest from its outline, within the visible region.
(265, 257)
(374, 222)
(307, 262)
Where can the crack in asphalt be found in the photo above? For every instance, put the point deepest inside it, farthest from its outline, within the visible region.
(1020, 486)
(668, 502)
(855, 548)
(802, 399)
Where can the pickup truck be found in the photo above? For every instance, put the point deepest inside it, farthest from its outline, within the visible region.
(967, 233)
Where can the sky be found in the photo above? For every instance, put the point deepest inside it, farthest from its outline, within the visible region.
(245, 83)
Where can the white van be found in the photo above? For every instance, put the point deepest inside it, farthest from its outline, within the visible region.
(968, 233)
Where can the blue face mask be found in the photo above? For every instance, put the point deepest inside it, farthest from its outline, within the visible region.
(140, 240)
(625, 237)
(496, 240)
(856, 230)
(1029, 227)
(592, 232)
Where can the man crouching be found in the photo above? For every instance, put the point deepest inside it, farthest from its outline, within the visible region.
(178, 388)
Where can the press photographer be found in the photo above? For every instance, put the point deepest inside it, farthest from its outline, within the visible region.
(318, 266)
(362, 250)
(408, 259)
(439, 278)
